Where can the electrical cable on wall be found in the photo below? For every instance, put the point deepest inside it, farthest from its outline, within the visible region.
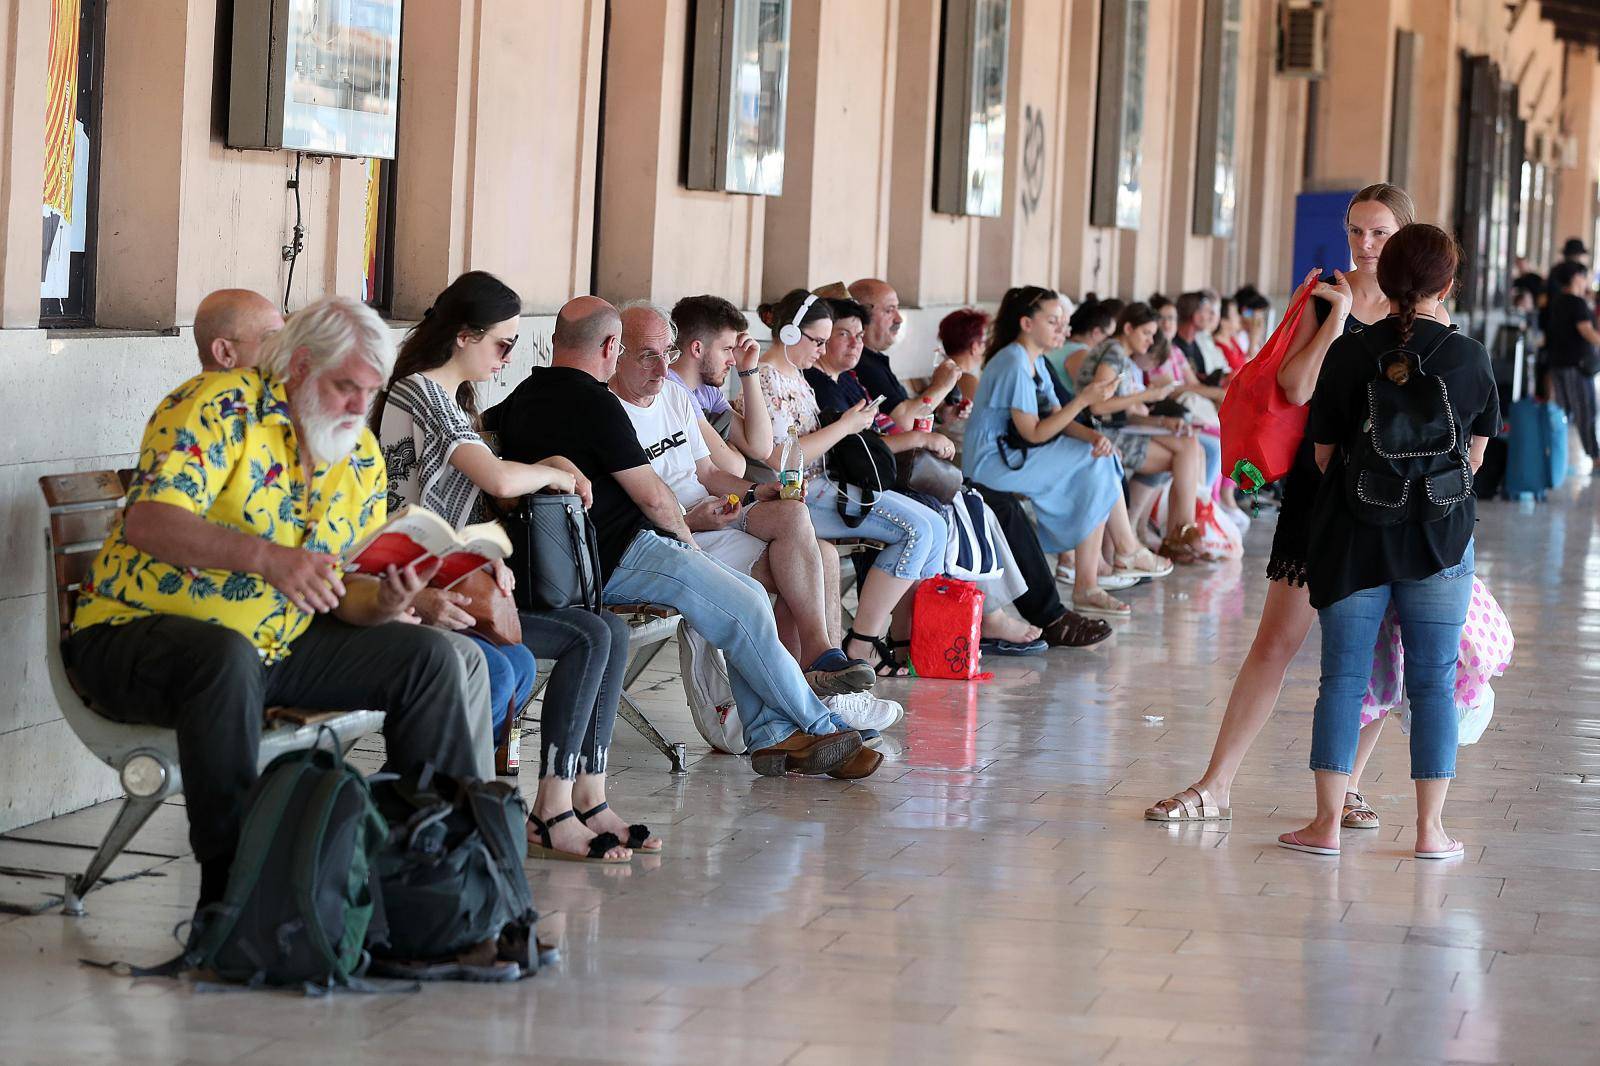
(291, 251)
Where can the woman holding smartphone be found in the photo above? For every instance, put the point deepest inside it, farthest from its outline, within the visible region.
(913, 536)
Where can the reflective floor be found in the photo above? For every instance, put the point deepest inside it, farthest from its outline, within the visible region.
(992, 895)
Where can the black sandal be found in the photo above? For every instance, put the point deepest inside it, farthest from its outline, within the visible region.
(543, 849)
(637, 833)
(1073, 630)
(888, 665)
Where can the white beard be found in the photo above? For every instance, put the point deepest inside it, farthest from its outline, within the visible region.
(330, 436)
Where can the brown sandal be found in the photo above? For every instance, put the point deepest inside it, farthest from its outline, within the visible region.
(1179, 546)
(1073, 630)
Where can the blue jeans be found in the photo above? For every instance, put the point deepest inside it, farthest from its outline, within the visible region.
(914, 536)
(1432, 612)
(1211, 447)
(512, 671)
(732, 612)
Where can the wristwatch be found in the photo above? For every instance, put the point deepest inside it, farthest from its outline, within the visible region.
(752, 372)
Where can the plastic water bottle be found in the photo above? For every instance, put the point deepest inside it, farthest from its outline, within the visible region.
(791, 482)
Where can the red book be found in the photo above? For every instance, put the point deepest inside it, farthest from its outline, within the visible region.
(416, 534)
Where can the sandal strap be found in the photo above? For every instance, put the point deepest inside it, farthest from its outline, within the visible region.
(584, 816)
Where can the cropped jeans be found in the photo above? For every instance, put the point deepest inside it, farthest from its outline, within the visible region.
(1432, 612)
(914, 536)
(732, 612)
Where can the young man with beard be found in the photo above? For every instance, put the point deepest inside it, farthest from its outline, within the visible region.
(713, 339)
(219, 592)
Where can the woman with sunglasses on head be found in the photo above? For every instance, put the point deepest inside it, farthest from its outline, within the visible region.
(1340, 305)
(914, 536)
(429, 426)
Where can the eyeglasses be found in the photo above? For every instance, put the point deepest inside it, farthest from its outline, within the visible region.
(818, 341)
(649, 360)
(508, 344)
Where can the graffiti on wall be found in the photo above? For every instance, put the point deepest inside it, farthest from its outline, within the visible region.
(1032, 184)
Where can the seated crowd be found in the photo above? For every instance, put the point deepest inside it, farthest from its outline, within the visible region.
(221, 590)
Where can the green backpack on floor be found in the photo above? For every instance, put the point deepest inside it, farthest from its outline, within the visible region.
(301, 902)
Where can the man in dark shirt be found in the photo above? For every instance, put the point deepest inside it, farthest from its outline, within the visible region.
(647, 554)
(1570, 342)
(879, 332)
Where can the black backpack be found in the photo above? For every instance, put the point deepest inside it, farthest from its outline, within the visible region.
(864, 461)
(452, 879)
(301, 901)
(1409, 463)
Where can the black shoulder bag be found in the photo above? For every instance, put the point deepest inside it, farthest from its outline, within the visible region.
(555, 556)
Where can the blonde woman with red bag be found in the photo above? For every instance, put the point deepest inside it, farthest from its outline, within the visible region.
(1345, 303)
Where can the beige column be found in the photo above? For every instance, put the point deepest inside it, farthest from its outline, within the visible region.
(1355, 99)
(22, 160)
(1184, 263)
(436, 82)
(1271, 159)
(1580, 162)
(1438, 110)
(932, 258)
(137, 256)
(658, 239)
(831, 223)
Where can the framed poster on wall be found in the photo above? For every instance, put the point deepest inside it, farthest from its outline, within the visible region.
(738, 98)
(969, 151)
(319, 76)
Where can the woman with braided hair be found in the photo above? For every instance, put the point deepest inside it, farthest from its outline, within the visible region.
(1379, 539)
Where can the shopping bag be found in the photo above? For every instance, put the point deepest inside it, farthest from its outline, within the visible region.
(1261, 429)
(946, 627)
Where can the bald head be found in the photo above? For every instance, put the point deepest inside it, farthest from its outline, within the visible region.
(587, 333)
(883, 323)
(229, 326)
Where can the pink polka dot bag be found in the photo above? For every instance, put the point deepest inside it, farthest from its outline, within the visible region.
(1486, 647)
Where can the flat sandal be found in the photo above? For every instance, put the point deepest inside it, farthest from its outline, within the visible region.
(1177, 808)
(1349, 819)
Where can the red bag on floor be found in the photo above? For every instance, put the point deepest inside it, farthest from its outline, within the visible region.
(946, 626)
(1261, 429)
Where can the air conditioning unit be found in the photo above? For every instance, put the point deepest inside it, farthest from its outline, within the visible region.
(1302, 39)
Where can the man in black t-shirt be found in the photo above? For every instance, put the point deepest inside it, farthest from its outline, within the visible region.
(1570, 343)
(880, 330)
(647, 554)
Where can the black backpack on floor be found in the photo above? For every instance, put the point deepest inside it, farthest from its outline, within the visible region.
(452, 877)
(1409, 463)
(300, 904)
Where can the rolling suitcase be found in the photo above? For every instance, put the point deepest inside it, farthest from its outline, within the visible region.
(1525, 459)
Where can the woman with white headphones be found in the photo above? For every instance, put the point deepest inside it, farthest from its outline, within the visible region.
(913, 535)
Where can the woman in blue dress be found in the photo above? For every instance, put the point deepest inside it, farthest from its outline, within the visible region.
(1021, 440)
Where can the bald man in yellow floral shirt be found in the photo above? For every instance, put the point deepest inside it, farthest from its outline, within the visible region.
(219, 592)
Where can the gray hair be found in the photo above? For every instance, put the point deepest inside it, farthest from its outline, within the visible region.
(330, 329)
(655, 309)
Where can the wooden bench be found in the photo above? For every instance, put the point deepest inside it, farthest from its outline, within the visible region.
(82, 508)
(650, 626)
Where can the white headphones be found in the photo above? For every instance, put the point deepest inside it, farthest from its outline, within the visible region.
(790, 333)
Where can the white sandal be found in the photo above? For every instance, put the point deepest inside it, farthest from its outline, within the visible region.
(1100, 603)
(1143, 563)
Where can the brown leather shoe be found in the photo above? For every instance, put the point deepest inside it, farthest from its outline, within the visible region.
(802, 753)
(863, 763)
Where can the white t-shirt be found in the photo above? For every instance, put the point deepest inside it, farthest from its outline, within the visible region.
(669, 432)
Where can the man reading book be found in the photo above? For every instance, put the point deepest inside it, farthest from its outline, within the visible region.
(218, 592)
(647, 553)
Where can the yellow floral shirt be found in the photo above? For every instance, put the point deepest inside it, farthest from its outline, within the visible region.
(222, 447)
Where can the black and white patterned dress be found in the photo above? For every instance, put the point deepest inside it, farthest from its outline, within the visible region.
(422, 426)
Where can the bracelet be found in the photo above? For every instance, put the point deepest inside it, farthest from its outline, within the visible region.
(752, 372)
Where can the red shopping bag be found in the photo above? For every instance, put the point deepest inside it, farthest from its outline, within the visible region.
(946, 626)
(1261, 429)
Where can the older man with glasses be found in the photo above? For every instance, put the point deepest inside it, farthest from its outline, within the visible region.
(647, 551)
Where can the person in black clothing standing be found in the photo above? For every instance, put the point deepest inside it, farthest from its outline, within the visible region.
(1571, 342)
(1379, 537)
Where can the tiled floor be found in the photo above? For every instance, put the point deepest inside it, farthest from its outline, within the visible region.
(992, 895)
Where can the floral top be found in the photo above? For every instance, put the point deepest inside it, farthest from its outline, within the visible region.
(222, 446)
(790, 402)
(421, 428)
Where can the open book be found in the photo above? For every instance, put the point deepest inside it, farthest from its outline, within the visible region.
(415, 534)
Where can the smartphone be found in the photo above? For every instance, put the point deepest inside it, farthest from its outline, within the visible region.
(874, 404)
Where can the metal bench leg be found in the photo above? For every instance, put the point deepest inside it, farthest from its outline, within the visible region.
(130, 819)
(635, 717)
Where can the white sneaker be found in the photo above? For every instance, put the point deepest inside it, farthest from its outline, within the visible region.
(863, 710)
